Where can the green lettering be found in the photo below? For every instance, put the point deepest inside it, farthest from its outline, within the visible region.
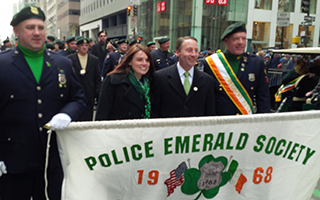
(148, 148)
(278, 152)
(184, 146)
(91, 162)
(195, 143)
(136, 156)
(229, 141)
(293, 150)
(272, 141)
(242, 142)
(219, 142)
(288, 147)
(107, 159)
(260, 140)
(115, 158)
(308, 155)
(167, 145)
(126, 155)
(301, 148)
(207, 142)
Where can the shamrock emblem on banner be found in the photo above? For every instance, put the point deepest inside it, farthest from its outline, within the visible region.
(208, 178)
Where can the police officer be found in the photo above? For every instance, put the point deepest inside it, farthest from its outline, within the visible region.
(50, 39)
(72, 46)
(239, 78)
(101, 48)
(6, 45)
(163, 57)
(151, 46)
(113, 59)
(37, 87)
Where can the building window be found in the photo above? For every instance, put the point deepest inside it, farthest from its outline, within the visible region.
(286, 5)
(263, 4)
(260, 35)
(287, 36)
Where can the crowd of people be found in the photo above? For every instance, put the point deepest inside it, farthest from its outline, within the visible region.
(124, 80)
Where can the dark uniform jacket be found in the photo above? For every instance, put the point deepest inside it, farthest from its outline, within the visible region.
(253, 78)
(111, 61)
(97, 50)
(90, 81)
(170, 99)
(119, 99)
(25, 106)
(64, 52)
(161, 60)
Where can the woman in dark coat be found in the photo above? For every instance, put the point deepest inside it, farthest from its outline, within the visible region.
(306, 83)
(125, 93)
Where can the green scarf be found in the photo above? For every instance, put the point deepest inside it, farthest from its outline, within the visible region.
(234, 61)
(143, 88)
(34, 60)
(70, 52)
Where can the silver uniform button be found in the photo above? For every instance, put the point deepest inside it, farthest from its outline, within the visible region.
(9, 139)
(12, 96)
(38, 88)
(39, 101)
(61, 95)
(40, 128)
(40, 115)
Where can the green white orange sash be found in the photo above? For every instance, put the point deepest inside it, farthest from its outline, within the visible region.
(286, 87)
(230, 83)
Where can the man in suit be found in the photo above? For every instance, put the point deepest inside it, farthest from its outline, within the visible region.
(181, 90)
(163, 57)
(72, 46)
(100, 49)
(86, 67)
(114, 58)
(240, 81)
(37, 87)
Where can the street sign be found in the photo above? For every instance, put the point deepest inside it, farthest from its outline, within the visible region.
(133, 20)
(306, 23)
(283, 19)
(310, 18)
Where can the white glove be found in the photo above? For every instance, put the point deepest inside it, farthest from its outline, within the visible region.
(3, 169)
(60, 121)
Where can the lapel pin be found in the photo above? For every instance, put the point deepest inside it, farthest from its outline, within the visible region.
(195, 89)
(245, 59)
(48, 54)
(16, 52)
(48, 64)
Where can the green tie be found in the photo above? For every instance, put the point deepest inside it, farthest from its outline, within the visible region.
(186, 84)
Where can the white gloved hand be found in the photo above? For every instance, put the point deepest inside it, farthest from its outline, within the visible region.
(3, 169)
(60, 121)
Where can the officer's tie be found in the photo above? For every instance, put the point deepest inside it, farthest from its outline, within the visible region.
(186, 84)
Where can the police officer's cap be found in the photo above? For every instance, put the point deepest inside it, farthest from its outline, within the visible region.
(123, 41)
(52, 38)
(70, 39)
(133, 42)
(150, 43)
(82, 40)
(234, 28)
(115, 45)
(58, 42)
(89, 39)
(115, 39)
(29, 12)
(102, 32)
(5, 41)
(163, 40)
(50, 46)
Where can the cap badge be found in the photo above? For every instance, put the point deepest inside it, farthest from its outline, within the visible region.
(34, 10)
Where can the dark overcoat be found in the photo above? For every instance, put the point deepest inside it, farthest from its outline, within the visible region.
(119, 99)
(26, 105)
(170, 99)
(90, 81)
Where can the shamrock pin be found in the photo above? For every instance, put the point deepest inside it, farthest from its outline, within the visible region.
(208, 178)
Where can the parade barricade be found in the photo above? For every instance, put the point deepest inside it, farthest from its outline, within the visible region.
(262, 156)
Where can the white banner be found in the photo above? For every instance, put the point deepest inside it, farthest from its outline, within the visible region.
(267, 156)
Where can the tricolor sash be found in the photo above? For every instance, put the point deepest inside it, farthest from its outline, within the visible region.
(286, 87)
(230, 83)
